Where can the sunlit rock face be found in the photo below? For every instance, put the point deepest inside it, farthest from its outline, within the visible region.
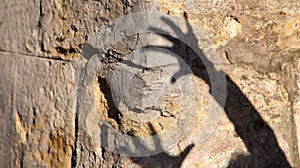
(56, 94)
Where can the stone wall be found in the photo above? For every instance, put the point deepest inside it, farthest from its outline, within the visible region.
(55, 89)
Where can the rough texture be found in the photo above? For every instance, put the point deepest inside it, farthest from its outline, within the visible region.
(48, 112)
(19, 27)
(9, 138)
(39, 111)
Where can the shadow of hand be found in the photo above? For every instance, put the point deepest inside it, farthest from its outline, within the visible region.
(256, 134)
(162, 160)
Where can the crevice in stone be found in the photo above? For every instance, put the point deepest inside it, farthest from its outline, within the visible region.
(22, 157)
(74, 152)
(74, 155)
(40, 44)
(65, 51)
(56, 58)
(112, 109)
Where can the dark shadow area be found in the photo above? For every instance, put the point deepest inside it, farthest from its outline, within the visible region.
(112, 109)
(163, 159)
(88, 51)
(256, 134)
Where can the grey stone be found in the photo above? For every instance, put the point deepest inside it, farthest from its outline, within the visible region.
(19, 26)
(51, 107)
(38, 111)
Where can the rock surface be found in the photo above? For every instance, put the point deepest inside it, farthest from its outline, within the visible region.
(56, 92)
(38, 111)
